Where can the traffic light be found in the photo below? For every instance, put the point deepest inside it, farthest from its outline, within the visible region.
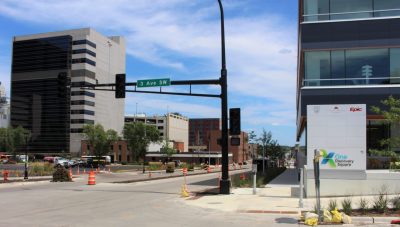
(120, 86)
(62, 83)
(234, 121)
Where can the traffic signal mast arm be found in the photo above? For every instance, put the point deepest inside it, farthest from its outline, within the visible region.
(101, 87)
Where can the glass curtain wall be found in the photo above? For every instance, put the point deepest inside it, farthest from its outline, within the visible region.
(352, 67)
(322, 10)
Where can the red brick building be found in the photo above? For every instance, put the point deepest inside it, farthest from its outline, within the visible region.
(240, 153)
(198, 129)
(118, 151)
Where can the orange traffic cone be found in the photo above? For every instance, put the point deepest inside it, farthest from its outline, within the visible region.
(92, 178)
(70, 174)
(109, 169)
(84, 170)
(208, 170)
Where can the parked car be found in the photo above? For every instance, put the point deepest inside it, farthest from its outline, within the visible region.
(61, 161)
(177, 162)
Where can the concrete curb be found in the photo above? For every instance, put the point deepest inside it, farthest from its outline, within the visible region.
(29, 180)
(373, 220)
(168, 177)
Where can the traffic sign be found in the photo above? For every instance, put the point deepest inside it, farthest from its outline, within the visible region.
(153, 83)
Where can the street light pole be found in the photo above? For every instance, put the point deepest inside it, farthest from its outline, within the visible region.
(225, 182)
(26, 160)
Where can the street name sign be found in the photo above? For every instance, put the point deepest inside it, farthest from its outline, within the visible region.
(153, 83)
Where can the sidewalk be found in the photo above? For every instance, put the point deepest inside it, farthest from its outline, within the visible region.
(105, 176)
(280, 196)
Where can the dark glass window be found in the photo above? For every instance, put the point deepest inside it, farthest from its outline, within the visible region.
(315, 10)
(84, 51)
(352, 67)
(83, 60)
(318, 10)
(84, 41)
(83, 93)
(365, 65)
(317, 67)
(76, 130)
(338, 70)
(42, 54)
(36, 106)
(80, 84)
(349, 9)
(386, 8)
(82, 102)
(395, 65)
(82, 121)
(87, 112)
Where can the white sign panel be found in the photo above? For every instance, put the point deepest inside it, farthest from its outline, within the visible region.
(339, 133)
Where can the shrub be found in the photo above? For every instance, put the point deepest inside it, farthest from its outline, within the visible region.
(191, 167)
(381, 202)
(61, 174)
(183, 165)
(363, 205)
(41, 169)
(155, 166)
(170, 167)
(347, 206)
(396, 203)
(332, 205)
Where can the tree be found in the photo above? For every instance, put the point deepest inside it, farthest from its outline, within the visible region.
(392, 115)
(167, 150)
(252, 137)
(138, 136)
(12, 139)
(99, 139)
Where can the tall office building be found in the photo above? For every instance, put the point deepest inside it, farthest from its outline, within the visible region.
(349, 53)
(45, 99)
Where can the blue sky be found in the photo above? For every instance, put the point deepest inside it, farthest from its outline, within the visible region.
(180, 39)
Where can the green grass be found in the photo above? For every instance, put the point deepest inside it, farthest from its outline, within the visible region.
(262, 179)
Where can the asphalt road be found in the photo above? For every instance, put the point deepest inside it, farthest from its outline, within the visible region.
(153, 203)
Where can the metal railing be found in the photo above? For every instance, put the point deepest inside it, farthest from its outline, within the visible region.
(351, 81)
(329, 15)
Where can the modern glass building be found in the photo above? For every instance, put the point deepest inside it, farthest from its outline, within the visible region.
(349, 53)
(47, 70)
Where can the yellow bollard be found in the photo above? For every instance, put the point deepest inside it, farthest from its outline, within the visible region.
(184, 192)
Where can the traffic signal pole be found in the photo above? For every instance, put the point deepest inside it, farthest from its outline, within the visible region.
(225, 182)
(222, 81)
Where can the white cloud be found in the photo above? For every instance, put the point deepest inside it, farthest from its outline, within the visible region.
(261, 53)
(166, 103)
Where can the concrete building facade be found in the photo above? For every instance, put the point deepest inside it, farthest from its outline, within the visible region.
(4, 108)
(172, 127)
(55, 118)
